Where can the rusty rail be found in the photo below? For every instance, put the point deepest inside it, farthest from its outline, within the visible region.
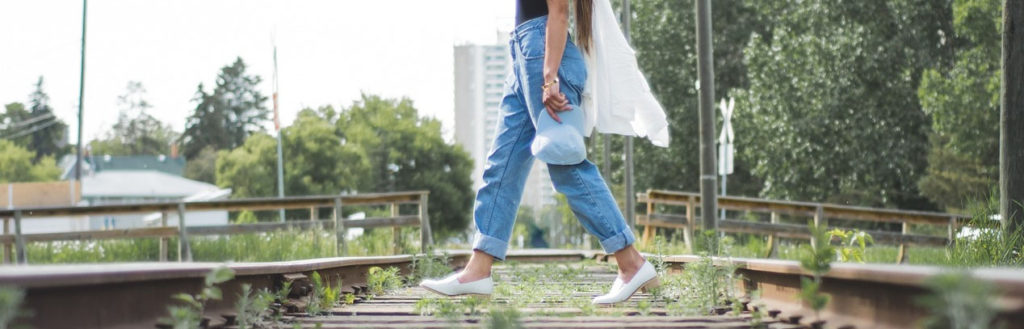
(135, 295)
(862, 295)
(819, 213)
(335, 202)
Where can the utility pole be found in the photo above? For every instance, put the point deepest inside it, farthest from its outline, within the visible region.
(630, 197)
(706, 74)
(1011, 136)
(81, 99)
(277, 126)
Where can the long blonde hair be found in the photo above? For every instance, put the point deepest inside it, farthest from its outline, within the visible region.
(583, 23)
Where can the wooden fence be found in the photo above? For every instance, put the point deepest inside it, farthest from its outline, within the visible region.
(334, 202)
(774, 228)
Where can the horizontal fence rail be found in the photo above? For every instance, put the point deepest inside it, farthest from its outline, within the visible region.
(337, 223)
(819, 213)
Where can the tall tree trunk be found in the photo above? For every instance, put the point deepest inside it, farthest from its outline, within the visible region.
(1011, 150)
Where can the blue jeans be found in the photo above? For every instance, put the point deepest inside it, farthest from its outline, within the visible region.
(510, 159)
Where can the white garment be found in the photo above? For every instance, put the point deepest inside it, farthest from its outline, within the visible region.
(616, 97)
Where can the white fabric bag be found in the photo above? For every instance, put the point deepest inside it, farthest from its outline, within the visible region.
(616, 96)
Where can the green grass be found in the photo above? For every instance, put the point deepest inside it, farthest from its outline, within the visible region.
(256, 247)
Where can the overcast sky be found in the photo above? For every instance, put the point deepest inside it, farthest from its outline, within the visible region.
(329, 51)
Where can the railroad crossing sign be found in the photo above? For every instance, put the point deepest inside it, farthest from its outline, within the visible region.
(725, 139)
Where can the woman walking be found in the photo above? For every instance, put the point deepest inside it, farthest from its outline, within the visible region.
(543, 116)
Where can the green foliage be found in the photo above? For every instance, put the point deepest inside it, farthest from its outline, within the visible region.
(11, 299)
(959, 301)
(48, 136)
(504, 318)
(817, 259)
(203, 166)
(407, 152)
(136, 132)
(382, 280)
(18, 165)
(988, 244)
(189, 315)
(374, 145)
(664, 39)
(818, 255)
(429, 265)
(228, 115)
(810, 294)
(251, 308)
(324, 296)
(852, 244)
(10, 129)
(831, 113)
(962, 98)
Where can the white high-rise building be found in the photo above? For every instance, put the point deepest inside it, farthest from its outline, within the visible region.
(480, 73)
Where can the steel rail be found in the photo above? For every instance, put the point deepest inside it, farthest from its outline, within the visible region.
(862, 295)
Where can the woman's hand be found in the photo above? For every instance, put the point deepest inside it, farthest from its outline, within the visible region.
(554, 45)
(555, 101)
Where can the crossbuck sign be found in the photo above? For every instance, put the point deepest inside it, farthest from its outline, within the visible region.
(725, 139)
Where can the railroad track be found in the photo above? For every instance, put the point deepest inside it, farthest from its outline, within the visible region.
(135, 295)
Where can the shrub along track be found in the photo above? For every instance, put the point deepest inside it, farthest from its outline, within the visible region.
(135, 295)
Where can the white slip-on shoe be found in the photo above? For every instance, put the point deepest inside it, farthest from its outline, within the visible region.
(450, 286)
(645, 278)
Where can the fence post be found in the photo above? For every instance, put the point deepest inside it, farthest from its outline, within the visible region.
(396, 231)
(691, 215)
(648, 230)
(8, 248)
(163, 239)
(951, 230)
(340, 246)
(184, 248)
(424, 223)
(819, 221)
(901, 255)
(772, 249)
(19, 239)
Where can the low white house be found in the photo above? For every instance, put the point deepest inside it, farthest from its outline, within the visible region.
(135, 186)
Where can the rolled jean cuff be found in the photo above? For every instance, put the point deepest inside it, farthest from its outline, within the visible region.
(490, 245)
(618, 241)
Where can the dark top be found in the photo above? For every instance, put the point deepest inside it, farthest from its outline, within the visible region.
(527, 9)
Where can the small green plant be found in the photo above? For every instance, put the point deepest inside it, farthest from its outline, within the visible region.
(504, 318)
(853, 244)
(983, 242)
(442, 307)
(324, 296)
(383, 280)
(190, 315)
(349, 299)
(429, 265)
(959, 301)
(11, 299)
(817, 260)
(644, 307)
(251, 308)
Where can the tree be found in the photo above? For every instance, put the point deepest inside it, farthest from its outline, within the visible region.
(406, 152)
(48, 135)
(962, 100)
(17, 165)
(203, 167)
(136, 131)
(226, 117)
(831, 112)
(664, 37)
(316, 161)
(11, 124)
